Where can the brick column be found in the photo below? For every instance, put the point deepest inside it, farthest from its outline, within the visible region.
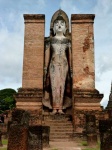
(83, 51)
(33, 51)
(29, 97)
(85, 97)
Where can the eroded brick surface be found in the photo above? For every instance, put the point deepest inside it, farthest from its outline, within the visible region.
(83, 51)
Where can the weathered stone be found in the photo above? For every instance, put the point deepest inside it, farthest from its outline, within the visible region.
(29, 97)
(45, 136)
(91, 130)
(20, 116)
(58, 63)
(105, 128)
(83, 51)
(18, 137)
(35, 138)
(109, 105)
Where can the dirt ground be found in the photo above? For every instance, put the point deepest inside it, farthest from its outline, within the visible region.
(69, 145)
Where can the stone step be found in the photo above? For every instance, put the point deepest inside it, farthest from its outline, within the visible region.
(61, 130)
(61, 127)
(60, 138)
(57, 123)
(61, 133)
(50, 115)
(56, 120)
(64, 133)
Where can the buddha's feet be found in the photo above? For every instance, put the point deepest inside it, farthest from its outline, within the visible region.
(54, 111)
(60, 111)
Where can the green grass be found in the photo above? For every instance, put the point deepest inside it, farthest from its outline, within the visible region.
(84, 143)
(3, 148)
(91, 149)
(4, 141)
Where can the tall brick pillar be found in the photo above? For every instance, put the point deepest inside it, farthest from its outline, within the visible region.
(29, 97)
(86, 98)
(83, 51)
(33, 51)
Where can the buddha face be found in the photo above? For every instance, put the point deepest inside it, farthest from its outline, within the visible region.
(59, 27)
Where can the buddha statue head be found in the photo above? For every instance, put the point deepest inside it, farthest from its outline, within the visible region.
(59, 22)
(59, 26)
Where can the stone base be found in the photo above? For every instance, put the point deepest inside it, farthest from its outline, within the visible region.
(87, 100)
(29, 99)
(26, 131)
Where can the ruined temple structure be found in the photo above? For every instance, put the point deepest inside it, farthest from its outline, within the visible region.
(109, 105)
(105, 126)
(58, 82)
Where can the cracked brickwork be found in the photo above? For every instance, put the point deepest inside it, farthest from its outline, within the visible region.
(83, 51)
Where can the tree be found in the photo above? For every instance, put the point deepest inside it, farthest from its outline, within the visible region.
(7, 100)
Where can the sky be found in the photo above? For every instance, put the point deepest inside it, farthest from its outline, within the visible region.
(12, 37)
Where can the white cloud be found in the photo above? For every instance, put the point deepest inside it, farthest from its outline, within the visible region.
(103, 7)
(12, 39)
(103, 47)
(11, 53)
(41, 3)
(104, 84)
(69, 7)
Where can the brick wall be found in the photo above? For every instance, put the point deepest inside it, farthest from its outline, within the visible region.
(33, 51)
(83, 51)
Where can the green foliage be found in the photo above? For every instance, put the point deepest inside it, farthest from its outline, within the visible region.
(6, 93)
(6, 99)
